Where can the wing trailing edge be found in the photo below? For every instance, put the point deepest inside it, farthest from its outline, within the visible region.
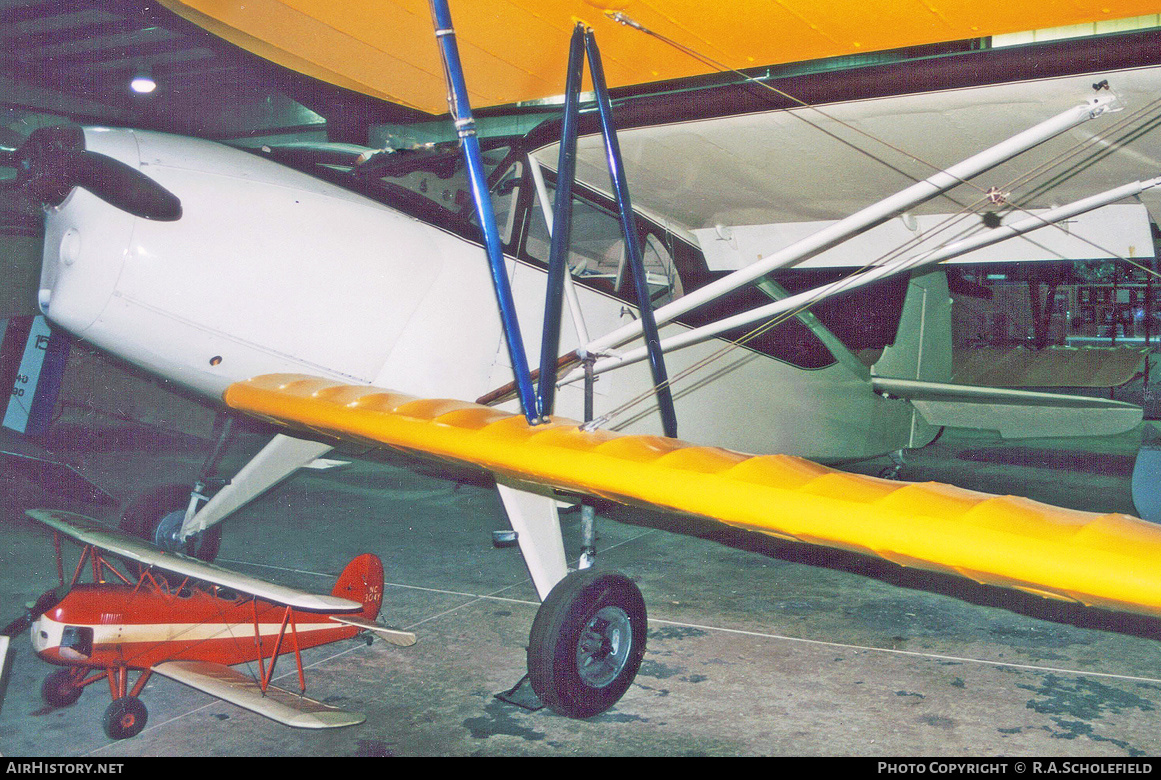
(1106, 560)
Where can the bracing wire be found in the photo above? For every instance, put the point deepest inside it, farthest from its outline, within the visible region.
(1128, 125)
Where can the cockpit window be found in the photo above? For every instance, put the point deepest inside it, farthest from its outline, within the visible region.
(596, 254)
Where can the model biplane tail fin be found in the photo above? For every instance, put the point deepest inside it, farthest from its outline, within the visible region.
(362, 581)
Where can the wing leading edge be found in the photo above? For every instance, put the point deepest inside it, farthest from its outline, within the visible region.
(1107, 560)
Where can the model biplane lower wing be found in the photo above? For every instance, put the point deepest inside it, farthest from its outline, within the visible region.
(88, 531)
(1107, 560)
(230, 685)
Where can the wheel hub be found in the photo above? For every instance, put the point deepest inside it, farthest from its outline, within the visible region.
(168, 528)
(604, 647)
(168, 535)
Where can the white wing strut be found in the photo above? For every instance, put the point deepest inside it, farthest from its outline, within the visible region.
(876, 273)
(535, 519)
(281, 457)
(867, 217)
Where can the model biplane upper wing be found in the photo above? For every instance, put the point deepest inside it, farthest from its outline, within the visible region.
(385, 48)
(88, 531)
(1109, 560)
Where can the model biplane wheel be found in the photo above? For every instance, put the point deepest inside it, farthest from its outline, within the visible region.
(60, 688)
(156, 516)
(124, 718)
(587, 642)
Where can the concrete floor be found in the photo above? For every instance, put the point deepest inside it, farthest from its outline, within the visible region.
(755, 647)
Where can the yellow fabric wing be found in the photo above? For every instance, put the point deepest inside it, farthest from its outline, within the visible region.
(516, 50)
(1110, 560)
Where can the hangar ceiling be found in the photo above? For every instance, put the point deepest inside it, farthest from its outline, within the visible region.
(76, 58)
(73, 60)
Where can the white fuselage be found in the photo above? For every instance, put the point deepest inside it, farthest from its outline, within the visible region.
(271, 270)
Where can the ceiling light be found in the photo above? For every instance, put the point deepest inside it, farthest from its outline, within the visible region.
(143, 82)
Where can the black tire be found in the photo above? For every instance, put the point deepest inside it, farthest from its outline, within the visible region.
(144, 512)
(578, 662)
(124, 718)
(60, 688)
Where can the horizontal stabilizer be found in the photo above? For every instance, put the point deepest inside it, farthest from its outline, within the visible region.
(86, 530)
(287, 708)
(392, 635)
(1109, 560)
(1016, 414)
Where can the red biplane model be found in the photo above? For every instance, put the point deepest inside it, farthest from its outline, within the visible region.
(191, 627)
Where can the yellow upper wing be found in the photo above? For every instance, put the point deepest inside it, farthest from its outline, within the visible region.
(516, 50)
(1108, 560)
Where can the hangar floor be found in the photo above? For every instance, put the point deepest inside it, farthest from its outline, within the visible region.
(755, 647)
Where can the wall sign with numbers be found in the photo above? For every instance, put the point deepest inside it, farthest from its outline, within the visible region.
(32, 363)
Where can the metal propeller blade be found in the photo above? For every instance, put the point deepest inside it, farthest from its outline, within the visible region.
(47, 601)
(54, 160)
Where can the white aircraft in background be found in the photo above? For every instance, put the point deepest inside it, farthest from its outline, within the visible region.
(295, 281)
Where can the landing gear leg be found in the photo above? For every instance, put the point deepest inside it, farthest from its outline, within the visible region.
(587, 643)
(898, 461)
(588, 554)
(156, 516)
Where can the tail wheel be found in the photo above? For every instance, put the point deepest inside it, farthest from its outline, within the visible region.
(156, 516)
(124, 718)
(60, 688)
(587, 643)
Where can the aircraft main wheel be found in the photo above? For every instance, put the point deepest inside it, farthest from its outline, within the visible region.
(124, 718)
(156, 516)
(60, 689)
(587, 643)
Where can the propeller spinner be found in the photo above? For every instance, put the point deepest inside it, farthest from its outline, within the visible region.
(54, 160)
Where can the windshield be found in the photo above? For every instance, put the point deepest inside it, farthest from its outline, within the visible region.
(428, 181)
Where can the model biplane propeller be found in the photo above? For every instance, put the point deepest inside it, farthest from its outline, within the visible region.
(775, 316)
(187, 620)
